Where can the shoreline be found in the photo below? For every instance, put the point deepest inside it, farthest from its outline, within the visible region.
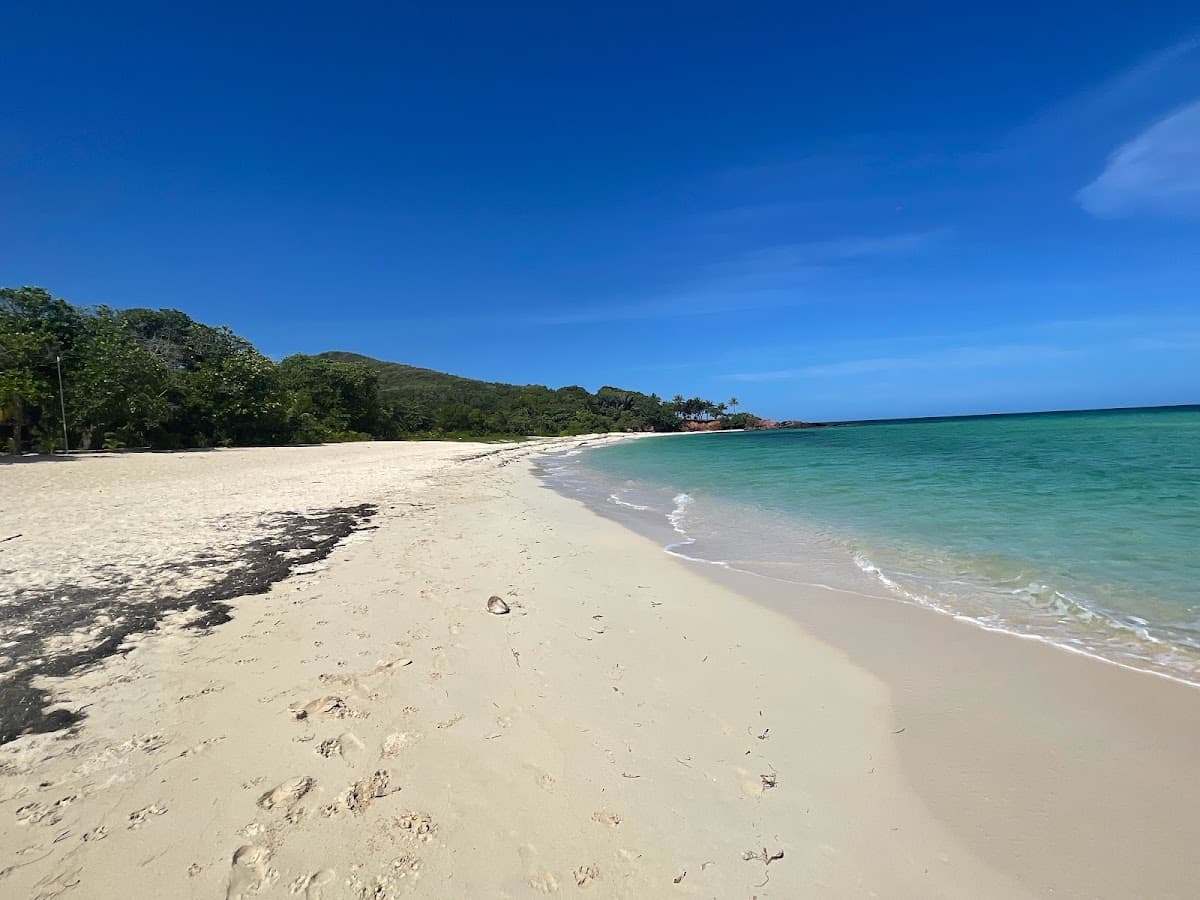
(1061, 768)
(1121, 774)
(848, 563)
(369, 729)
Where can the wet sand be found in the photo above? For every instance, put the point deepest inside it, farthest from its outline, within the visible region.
(1079, 777)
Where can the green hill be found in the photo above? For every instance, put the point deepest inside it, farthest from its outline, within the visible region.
(427, 401)
(397, 379)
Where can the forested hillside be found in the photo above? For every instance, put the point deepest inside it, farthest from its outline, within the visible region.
(159, 379)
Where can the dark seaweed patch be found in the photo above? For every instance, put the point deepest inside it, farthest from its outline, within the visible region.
(32, 618)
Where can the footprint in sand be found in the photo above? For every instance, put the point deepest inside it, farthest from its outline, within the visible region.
(211, 689)
(417, 825)
(332, 707)
(345, 678)
(339, 746)
(360, 795)
(140, 817)
(201, 747)
(146, 743)
(535, 876)
(287, 793)
(383, 668)
(313, 886)
(41, 813)
(295, 815)
(253, 830)
(395, 744)
(407, 867)
(381, 887)
(251, 872)
(603, 818)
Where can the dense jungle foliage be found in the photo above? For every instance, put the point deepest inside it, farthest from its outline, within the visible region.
(159, 379)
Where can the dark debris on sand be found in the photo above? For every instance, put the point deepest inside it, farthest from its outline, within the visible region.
(33, 618)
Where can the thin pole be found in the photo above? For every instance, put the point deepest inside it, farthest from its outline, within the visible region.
(62, 404)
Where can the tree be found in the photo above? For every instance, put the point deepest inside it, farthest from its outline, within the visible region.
(20, 385)
(115, 387)
(330, 400)
(221, 390)
(34, 329)
(245, 401)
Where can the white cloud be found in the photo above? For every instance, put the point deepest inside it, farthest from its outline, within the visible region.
(1157, 172)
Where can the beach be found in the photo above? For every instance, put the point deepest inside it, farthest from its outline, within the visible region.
(288, 682)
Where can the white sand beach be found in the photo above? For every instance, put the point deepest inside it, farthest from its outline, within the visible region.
(366, 728)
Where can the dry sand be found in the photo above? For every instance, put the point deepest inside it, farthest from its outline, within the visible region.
(366, 728)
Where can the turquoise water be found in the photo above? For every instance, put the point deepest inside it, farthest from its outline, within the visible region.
(1078, 528)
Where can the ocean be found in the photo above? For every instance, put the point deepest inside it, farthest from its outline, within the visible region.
(1081, 529)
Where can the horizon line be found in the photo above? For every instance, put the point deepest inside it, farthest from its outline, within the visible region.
(995, 415)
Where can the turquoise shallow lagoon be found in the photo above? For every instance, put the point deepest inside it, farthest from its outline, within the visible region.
(1078, 528)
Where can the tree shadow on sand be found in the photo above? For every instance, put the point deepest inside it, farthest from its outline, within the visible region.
(33, 619)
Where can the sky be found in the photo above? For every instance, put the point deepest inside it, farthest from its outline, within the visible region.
(830, 212)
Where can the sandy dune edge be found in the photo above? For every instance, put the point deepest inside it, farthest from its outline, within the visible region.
(370, 730)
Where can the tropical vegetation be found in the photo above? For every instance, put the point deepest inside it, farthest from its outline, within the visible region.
(160, 379)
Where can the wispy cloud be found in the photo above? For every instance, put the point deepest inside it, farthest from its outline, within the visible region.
(682, 306)
(816, 253)
(1132, 85)
(1157, 172)
(1180, 341)
(1000, 349)
(1159, 82)
(771, 277)
(955, 358)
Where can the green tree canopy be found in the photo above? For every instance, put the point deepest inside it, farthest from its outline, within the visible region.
(160, 379)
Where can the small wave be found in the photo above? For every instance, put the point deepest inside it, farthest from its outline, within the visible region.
(675, 516)
(1066, 607)
(613, 498)
(895, 587)
(673, 550)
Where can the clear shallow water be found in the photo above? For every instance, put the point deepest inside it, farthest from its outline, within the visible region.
(1082, 529)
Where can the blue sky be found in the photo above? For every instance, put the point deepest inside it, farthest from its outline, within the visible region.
(830, 212)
